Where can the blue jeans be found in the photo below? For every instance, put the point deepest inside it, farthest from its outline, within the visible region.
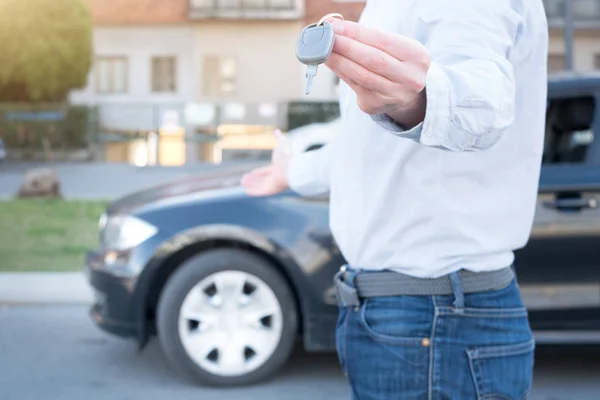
(459, 347)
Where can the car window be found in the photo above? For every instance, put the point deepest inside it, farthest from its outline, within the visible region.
(569, 129)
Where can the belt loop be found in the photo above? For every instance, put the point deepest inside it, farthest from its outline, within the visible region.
(351, 273)
(457, 290)
(345, 289)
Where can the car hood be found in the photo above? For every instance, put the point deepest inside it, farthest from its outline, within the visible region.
(220, 178)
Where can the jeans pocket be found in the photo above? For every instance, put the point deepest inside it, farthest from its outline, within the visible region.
(502, 372)
(403, 320)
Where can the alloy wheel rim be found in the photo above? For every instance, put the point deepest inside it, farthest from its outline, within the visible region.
(230, 323)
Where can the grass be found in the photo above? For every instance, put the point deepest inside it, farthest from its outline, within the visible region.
(47, 234)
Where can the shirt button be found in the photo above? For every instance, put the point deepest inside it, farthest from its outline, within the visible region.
(425, 342)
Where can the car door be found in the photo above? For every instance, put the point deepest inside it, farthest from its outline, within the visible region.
(317, 252)
(559, 269)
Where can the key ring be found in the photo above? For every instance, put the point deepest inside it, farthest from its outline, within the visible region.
(330, 15)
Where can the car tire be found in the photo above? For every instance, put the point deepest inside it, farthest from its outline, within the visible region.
(175, 334)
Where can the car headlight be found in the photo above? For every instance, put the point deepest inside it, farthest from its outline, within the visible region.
(123, 232)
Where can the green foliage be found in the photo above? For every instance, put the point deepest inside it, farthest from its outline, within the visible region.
(47, 234)
(46, 49)
(66, 127)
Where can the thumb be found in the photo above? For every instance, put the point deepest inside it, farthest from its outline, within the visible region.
(282, 149)
(283, 143)
(279, 135)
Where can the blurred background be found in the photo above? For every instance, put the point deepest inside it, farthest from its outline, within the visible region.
(185, 81)
(100, 99)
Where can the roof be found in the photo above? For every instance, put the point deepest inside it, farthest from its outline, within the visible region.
(111, 12)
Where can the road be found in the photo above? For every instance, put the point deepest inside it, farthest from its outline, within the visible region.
(104, 180)
(55, 352)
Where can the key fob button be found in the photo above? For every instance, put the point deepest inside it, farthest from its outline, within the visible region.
(313, 36)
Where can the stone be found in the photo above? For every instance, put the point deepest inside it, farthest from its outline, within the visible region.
(40, 182)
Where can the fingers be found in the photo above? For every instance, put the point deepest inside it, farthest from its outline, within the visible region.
(397, 46)
(253, 184)
(370, 66)
(258, 173)
(360, 75)
(387, 71)
(353, 85)
(254, 177)
(368, 101)
(283, 145)
(371, 58)
(263, 181)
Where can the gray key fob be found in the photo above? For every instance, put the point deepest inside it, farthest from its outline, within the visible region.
(314, 47)
(315, 43)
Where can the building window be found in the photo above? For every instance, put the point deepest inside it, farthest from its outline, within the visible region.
(111, 74)
(269, 4)
(220, 76)
(556, 62)
(164, 74)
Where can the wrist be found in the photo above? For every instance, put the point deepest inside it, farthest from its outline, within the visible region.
(412, 115)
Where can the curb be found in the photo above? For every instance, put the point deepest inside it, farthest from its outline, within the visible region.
(45, 288)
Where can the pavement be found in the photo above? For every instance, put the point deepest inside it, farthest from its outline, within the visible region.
(55, 352)
(44, 288)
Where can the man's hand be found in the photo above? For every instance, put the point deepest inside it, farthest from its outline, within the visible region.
(386, 71)
(272, 179)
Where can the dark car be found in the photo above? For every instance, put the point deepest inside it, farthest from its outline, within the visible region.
(230, 283)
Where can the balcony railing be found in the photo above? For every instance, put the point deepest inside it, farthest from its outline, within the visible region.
(245, 9)
(586, 13)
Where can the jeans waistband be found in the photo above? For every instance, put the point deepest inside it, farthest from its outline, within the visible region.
(351, 285)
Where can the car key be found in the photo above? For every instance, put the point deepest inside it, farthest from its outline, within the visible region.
(314, 47)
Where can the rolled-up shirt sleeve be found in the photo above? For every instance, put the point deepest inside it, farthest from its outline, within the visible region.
(309, 172)
(470, 85)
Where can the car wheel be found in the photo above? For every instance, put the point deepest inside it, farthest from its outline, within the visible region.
(226, 317)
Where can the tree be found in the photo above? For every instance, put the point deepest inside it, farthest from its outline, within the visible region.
(46, 49)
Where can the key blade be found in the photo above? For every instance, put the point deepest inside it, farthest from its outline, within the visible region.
(311, 72)
(309, 79)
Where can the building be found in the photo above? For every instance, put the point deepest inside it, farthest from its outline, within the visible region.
(586, 15)
(224, 64)
(199, 67)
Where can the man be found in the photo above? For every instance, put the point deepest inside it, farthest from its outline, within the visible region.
(432, 183)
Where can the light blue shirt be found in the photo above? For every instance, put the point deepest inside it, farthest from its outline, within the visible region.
(459, 190)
